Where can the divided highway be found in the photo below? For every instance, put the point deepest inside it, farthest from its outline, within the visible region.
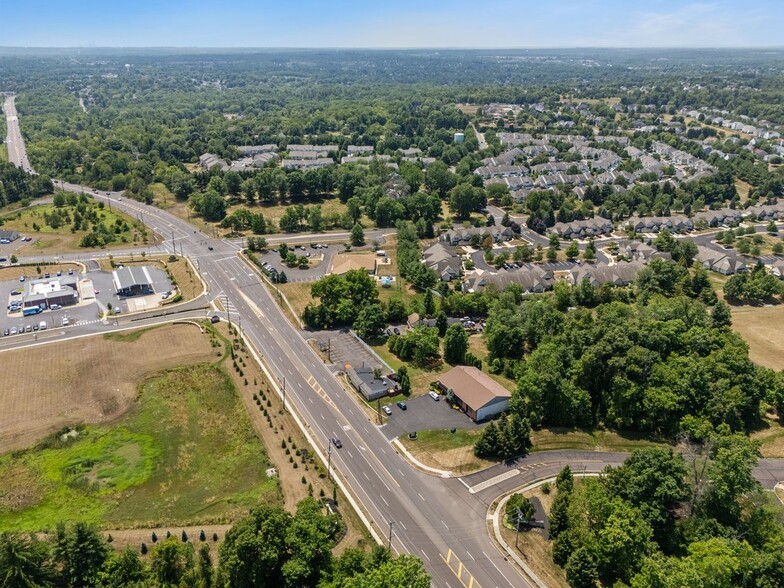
(442, 521)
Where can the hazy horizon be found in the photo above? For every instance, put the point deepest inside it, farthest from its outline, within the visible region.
(409, 24)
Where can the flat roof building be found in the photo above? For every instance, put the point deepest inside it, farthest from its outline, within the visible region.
(479, 395)
(132, 281)
(46, 292)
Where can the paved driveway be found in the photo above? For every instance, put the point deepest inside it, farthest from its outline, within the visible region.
(424, 413)
(346, 349)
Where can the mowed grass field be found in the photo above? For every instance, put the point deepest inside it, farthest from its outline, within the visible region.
(185, 453)
(61, 240)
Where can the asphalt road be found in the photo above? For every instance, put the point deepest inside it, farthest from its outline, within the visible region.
(430, 517)
(17, 153)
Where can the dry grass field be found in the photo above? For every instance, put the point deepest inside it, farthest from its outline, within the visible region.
(88, 380)
(534, 549)
(763, 329)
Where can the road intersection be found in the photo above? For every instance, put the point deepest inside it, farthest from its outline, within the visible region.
(441, 520)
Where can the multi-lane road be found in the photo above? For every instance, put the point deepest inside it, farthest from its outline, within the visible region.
(441, 520)
(17, 154)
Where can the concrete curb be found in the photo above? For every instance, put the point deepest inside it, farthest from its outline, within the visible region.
(495, 516)
(418, 464)
(265, 278)
(316, 448)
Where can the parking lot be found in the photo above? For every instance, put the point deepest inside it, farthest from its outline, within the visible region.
(294, 274)
(346, 349)
(424, 413)
(96, 297)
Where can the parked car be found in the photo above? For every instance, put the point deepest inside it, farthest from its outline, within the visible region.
(396, 330)
(21, 278)
(387, 409)
(337, 442)
(6, 332)
(401, 405)
(13, 330)
(434, 395)
(55, 307)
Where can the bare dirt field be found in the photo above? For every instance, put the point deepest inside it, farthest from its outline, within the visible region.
(763, 329)
(88, 380)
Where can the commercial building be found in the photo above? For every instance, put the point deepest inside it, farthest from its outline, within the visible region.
(132, 281)
(46, 292)
(365, 381)
(479, 395)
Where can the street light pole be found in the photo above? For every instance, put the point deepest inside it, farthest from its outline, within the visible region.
(329, 459)
(389, 545)
(284, 393)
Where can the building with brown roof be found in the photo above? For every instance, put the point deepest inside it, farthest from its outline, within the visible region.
(479, 395)
(343, 262)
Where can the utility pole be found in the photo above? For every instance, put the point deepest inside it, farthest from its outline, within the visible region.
(378, 409)
(329, 459)
(517, 525)
(389, 545)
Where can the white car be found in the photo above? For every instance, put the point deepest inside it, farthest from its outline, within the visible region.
(66, 322)
(434, 395)
(387, 409)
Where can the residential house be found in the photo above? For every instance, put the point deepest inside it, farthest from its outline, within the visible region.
(583, 229)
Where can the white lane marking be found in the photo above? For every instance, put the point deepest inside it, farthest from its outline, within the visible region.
(423, 553)
(366, 476)
(496, 567)
(422, 497)
(384, 499)
(443, 523)
(469, 554)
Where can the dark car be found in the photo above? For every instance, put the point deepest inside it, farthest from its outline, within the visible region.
(401, 405)
(215, 319)
(337, 442)
(209, 248)
(6, 332)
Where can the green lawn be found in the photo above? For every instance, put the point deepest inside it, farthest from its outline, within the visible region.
(185, 454)
(61, 238)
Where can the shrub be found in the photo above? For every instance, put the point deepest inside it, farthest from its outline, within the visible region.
(143, 549)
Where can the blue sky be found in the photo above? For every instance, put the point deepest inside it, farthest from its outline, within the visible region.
(392, 23)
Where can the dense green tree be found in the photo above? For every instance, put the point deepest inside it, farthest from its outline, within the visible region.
(465, 199)
(455, 344)
(81, 553)
(357, 235)
(370, 321)
(25, 562)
